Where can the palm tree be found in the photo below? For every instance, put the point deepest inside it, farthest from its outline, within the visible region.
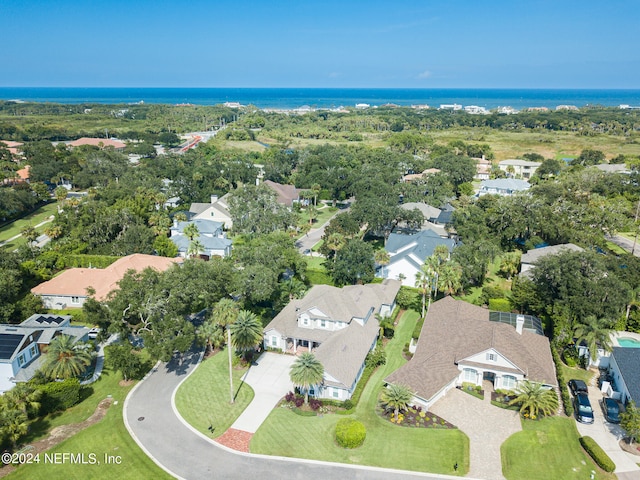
(194, 248)
(594, 331)
(534, 398)
(191, 231)
(335, 242)
(293, 288)
(382, 258)
(212, 334)
(450, 278)
(423, 284)
(396, 397)
(224, 314)
(246, 331)
(509, 264)
(23, 397)
(14, 424)
(306, 372)
(65, 358)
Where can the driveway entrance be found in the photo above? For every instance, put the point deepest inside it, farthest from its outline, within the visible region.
(486, 425)
(269, 378)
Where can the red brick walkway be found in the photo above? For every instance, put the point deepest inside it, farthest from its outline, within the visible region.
(235, 439)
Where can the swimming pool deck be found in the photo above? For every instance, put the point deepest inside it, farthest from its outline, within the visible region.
(622, 335)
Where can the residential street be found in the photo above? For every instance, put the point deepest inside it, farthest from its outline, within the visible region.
(154, 424)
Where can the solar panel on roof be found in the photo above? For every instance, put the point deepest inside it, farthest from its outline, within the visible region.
(8, 344)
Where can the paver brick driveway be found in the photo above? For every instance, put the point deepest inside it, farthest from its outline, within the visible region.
(486, 425)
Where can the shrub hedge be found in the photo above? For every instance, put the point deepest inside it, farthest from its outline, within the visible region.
(562, 382)
(598, 454)
(350, 433)
(58, 396)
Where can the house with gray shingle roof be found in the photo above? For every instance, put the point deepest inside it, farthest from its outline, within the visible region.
(408, 252)
(22, 346)
(339, 326)
(503, 186)
(624, 368)
(217, 210)
(212, 237)
(529, 259)
(460, 342)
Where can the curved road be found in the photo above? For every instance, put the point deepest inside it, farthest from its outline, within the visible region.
(185, 453)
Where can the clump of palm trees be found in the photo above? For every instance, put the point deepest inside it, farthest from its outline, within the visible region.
(243, 331)
(535, 399)
(438, 274)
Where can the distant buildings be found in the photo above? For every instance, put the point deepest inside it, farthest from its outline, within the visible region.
(503, 186)
(99, 142)
(516, 168)
(69, 289)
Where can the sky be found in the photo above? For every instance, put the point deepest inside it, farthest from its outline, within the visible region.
(324, 44)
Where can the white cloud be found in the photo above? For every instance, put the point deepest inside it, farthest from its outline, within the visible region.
(425, 74)
(334, 74)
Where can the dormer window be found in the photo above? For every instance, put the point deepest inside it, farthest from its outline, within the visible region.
(305, 320)
(491, 357)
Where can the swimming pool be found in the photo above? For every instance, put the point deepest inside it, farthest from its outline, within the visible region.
(629, 342)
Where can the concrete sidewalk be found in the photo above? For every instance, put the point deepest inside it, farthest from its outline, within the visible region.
(269, 378)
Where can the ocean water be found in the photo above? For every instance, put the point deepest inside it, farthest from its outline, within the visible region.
(289, 98)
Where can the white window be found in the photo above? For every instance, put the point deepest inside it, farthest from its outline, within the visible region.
(323, 323)
(20, 360)
(75, 300)
(33, 350)
(509, 382)
(336, 393)
(274, 341)
(470, 375)
(305, 320)
(491, 357)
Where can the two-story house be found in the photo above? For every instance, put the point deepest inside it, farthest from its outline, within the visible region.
(339, 326)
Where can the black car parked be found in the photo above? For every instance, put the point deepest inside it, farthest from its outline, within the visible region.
(611, 410)
(582, 406)
(577, 386)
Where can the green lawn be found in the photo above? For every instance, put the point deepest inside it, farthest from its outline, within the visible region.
(316, 272)
(40, 215)
(107, 437)
(493, 280)
(429, 450)
(545, 449)
(577, 373)
(324, 213)
(203, 399)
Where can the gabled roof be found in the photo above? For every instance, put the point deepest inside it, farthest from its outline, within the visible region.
(75, 281)
(454, 331)
(209, 243)
(628, 360)
(286, 193)
(416, 246)
(535, 254)
(205, 227)
(427, 210)
(341, 352)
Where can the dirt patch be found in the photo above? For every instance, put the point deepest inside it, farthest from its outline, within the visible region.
(61, 433)
(126, 383)
(632, 449)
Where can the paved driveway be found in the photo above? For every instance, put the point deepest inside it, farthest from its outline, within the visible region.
(607, 435)
(185, 453)
(269, 378)
(487, 427)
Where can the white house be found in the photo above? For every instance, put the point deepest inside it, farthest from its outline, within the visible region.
(408, 252)
(461, 342)
(503, 186)
(522, 169)
(22, 346)
(217, 210)
(339, 326)
(212, 238)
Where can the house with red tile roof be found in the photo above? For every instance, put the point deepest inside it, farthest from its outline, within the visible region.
(99, 142)
(69, 289)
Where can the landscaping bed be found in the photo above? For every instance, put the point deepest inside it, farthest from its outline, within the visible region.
(473, 390)
(415, 417)
(501, 399)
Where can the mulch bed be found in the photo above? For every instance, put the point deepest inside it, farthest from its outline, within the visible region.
(632, 449)
(415, 417)
(235, 439)
(61, 433)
